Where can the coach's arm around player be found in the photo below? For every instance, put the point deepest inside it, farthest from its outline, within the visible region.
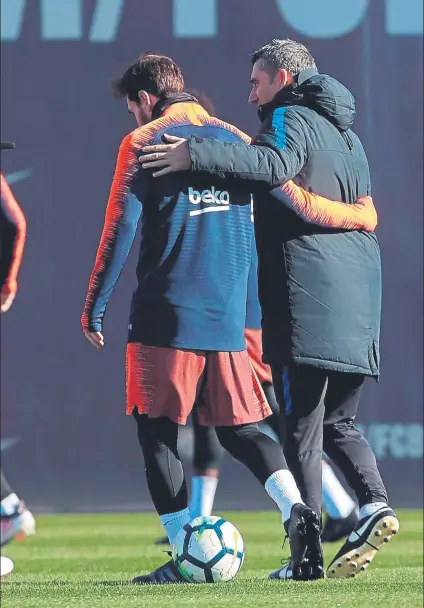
(175, 155)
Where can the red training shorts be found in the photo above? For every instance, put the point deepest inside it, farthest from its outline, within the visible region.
(168, 381)
(254, 349)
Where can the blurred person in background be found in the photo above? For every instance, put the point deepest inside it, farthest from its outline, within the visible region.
(320, 290)
(16, 520)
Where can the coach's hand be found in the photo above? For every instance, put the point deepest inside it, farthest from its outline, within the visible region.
(172, 157)
(96, 338)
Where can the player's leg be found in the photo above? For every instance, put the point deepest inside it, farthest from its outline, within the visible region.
(16, 519)
(265, 459)
(234, 402)
(253, 339)
(161, 390)
(273, 421)
(342, 512)
(206, 462)
(158, 438)
(165, 477)
(349, 449)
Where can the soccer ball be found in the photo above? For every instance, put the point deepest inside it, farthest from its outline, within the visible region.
(208, 550)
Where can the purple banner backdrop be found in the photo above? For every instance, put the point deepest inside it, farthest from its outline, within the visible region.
(63, 401)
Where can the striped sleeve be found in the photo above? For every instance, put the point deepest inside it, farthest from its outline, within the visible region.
(13, 238)
(315, 209)
(120, 225)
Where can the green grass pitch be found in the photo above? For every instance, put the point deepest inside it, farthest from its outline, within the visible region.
(87, 561)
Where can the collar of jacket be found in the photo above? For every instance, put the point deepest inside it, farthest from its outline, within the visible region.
(288, 96)
(163, 104)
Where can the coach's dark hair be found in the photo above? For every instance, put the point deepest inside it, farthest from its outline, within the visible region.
(155, 74)
(284, 54)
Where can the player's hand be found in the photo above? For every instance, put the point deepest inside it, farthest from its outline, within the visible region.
(7, 297)
(96, 338)
(172, 157)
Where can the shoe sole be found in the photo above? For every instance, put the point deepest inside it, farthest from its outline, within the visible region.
(357, 560)
(311, 568)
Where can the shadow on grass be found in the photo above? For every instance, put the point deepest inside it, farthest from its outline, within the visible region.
(60, 583)
(122, 583)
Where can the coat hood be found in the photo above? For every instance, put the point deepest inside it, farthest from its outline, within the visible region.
(319, 92)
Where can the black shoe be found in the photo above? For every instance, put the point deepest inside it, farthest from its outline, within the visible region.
(303, 529)
(167, 574)
(336, 529)
(368, 537)
(162, 541)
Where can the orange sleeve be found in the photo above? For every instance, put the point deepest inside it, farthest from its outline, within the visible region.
(120, 225)
(16, 217)
(324, 212)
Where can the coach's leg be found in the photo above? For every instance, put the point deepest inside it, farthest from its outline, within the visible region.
(164, 472)
(206, 462)
(351, 452)
(300, 392)
(345, 444)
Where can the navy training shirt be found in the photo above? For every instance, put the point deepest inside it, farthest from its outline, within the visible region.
(195, 248)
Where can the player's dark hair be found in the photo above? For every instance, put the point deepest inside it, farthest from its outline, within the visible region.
(155, 74)
(205, 101)
(284, 54)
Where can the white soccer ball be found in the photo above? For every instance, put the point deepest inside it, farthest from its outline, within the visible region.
(6, 566)
(208, 550)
